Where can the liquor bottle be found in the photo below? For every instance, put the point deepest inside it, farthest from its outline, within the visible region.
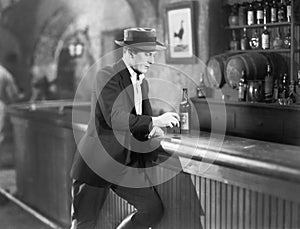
(274, 11)
(265, 39)
(277, 42)
(287, 40)
(242, 12)
(292, 92)
(283, 92)
(281, 13)
(254, 41)
(267, 12)
(275, 91)
(185, 112)
(244, 40)
(268, 85)
(234, 43)
(289, 11)
(200, 90)
(259, 13)
(242, 88)
(250, 14)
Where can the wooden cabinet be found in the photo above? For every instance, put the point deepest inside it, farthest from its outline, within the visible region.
(270, 122)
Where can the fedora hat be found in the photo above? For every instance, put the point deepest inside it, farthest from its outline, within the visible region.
(143, 39)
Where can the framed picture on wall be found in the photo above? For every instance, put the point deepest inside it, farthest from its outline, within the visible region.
(180, 32)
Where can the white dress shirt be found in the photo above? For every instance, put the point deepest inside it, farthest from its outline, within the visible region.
(137, 90)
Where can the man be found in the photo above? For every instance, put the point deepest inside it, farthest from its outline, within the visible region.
(118, 134)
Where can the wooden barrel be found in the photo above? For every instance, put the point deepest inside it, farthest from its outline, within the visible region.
(215, 70)
(254, 64)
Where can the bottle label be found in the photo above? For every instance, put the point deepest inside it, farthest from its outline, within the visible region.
(265, 41)
(273, 15)
(289, 13)
(184, 121)
(250, 17)
(259, 16)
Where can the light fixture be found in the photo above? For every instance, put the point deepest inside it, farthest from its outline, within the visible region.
(76, 48)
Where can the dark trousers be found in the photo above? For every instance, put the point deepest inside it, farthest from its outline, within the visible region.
(88, 201)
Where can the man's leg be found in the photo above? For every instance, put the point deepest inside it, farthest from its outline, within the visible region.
(86, 205)
(148, 204)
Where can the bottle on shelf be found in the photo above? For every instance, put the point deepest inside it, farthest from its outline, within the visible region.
(234, 43)
(289, 11)
(277, 42)
(275, 91)
(233, 18)
(242, 12)
(259, 12)
(201, 89)
(250, 14)
(267, 12)
(274, 11)
(268, 85)
(283, 90)
(185, 112)
(292, 92)
(281, 12)
(242, 88)
(287, 40)
(244, 40)
(265, 39)
(254, 40)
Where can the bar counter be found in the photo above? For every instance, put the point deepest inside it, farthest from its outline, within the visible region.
(225, 181)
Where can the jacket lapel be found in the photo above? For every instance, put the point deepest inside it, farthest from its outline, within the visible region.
(125, 80)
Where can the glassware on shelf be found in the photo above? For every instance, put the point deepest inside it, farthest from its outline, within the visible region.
(242, 12)
(254, 40)
(244, 40)
(233, 18)
(274, 11)
(242, 88)
(267, 12)
(268, 85)
(277, 42)
(255, 91)
(287, 40)
(234, 43)
(281, 13)
(259, 12)
(288, 11)
(250, 14)
(265, 39)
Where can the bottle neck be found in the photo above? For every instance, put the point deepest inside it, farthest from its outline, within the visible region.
(184, 96)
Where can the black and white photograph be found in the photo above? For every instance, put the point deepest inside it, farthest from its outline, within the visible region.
(149, 114)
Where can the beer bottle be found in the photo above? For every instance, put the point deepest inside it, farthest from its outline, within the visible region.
(242, 88)
(274, 11)
(185, 113)
(244, 40)
(289, 11)
(281, 13)
(269, 85)
(259, 13)
(267, 12)
(265, 39)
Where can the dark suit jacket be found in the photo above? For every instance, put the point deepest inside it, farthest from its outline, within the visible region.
(113, 124)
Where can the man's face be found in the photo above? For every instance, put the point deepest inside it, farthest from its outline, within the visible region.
(141, 61)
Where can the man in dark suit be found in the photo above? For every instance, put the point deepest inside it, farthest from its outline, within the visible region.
(116, 150)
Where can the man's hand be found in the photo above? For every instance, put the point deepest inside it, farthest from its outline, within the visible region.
(156, 132)
(168, 119)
